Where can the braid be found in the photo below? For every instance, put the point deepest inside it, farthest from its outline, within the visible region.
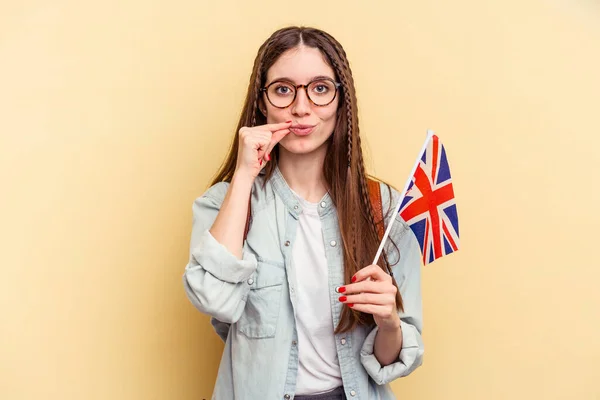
(343, 72)
(355, 140)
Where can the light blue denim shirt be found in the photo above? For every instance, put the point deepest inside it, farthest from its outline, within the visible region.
(253, 301)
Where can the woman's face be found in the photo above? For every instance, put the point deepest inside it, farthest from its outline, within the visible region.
(312, 125)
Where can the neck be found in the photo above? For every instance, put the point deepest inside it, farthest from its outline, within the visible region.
(304, 173)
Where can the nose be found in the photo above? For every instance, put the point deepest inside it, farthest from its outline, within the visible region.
(301, 105)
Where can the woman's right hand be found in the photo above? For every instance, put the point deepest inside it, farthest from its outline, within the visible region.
(255, 145)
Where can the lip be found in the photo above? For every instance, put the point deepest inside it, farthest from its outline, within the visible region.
(302, 130)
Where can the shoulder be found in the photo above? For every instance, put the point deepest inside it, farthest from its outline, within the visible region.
(213, 196)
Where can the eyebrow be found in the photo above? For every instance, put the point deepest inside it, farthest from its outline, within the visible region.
(315, 78)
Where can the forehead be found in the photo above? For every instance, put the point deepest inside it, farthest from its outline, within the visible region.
(300, 64)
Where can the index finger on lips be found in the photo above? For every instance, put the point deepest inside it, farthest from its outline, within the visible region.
(276, 127)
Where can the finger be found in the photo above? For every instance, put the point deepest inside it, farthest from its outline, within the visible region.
(275, 127)
(368, 287)
(261, 141)
(374, 309)
(276, 138)
(256, 140)
(381, 299)
(360, 287)
(372, 271)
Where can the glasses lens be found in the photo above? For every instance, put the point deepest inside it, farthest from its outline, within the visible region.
(281, 94)
(321, 92)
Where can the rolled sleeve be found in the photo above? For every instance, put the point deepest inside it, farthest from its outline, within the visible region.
(215, 259)
(411, 356)
(215, 279)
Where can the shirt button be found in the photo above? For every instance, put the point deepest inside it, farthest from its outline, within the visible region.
(323, 204)
(352, 393)
(332, 243)
(250, 281)
(287, 242)
(292, 290)
(343, 341)
(337, 289)
(294, 343)
(287, 397)
(295, 207)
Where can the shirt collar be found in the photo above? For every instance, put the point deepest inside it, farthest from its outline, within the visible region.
(291, 201)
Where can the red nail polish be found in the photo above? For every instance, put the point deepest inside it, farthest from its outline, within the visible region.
(268, 157)
(260, 161)
(342, 289)
(353, 279)
(287, 122)
(343, 298)
(350, 305)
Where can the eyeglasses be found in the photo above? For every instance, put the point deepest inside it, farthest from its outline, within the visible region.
(321, 92)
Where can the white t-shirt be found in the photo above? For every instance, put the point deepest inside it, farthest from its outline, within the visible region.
(318, 369)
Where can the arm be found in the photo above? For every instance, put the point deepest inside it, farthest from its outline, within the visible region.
(228, 228)
(388, 343)
(227, 231)
(214, 277)
(255, 145)
(380, 344)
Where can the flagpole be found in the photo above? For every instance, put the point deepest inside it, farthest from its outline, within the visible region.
(393, 217)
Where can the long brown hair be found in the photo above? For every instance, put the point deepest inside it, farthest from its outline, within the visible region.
(343, 168)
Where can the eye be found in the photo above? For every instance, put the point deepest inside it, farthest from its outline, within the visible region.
(321, 88)
(283, 90)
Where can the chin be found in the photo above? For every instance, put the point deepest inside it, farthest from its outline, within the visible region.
(299, 148)
(303, 146)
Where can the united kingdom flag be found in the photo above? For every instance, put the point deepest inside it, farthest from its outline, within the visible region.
(429, 206)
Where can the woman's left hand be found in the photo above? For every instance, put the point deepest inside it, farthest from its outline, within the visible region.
(375, 296)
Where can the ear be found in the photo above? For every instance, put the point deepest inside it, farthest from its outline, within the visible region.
(262, 106)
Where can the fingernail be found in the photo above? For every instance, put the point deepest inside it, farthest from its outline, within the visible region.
(260, 161)
(350, 305)
(353, 279)
(268, 157)
(342, 289)
(343, 299)
(287, 122)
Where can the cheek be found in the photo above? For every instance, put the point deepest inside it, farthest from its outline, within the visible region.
(328, 116)
(277, 115)
(330, 112)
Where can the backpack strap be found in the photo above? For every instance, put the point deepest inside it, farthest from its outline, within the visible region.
(375, 197)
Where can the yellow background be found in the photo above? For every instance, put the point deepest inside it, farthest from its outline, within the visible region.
(114, 115)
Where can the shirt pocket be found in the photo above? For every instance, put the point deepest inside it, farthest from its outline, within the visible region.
(260, 316)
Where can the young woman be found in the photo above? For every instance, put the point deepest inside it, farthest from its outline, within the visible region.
(283, 241)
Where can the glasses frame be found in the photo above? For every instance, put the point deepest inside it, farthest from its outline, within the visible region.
(297, 88)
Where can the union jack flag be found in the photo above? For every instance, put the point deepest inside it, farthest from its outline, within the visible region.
(429, 206)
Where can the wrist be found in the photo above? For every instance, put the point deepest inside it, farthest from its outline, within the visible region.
(242, 179)
(392, 325)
